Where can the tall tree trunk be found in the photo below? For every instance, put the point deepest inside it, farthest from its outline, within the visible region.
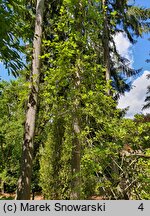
(24, 182)
(105, 42)
(2, 182)
(76, 151)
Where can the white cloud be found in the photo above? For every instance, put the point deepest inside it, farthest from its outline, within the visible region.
(135, 98)
(124, 47)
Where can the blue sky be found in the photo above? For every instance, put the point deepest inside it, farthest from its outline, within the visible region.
(141, 49)
(141, 52)
(144, 3)
(3, 72)
(137, 54)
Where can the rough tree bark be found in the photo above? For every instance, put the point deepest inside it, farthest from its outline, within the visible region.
(24, 182)
(76, 151)
(2, 182)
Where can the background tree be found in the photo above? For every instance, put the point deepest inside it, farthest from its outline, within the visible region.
(13, 97)
(12, 48)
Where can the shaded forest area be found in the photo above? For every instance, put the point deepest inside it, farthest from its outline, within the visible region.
(61, 133)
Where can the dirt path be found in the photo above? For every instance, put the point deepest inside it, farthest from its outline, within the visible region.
(11, 196)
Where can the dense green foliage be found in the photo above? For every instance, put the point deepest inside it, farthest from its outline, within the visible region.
(75, 115)
(12, 101)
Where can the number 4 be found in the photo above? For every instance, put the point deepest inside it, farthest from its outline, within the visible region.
(141, 207)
